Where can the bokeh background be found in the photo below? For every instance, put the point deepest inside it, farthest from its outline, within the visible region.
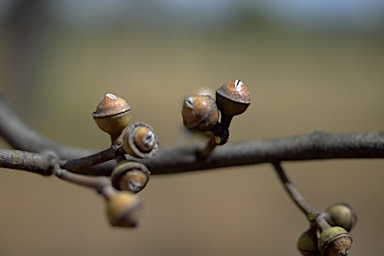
(309, 65)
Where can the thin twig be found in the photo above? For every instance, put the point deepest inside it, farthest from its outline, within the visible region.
(98, 183)
(299, 200)
(208, 149)
(77, 165)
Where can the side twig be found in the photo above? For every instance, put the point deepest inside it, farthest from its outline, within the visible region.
(76, 165)
(297, 198)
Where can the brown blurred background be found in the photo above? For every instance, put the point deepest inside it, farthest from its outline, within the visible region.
(322, 70)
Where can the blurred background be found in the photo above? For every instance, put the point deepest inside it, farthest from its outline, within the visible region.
(309, 65)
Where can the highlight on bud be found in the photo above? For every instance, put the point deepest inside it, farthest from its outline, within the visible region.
(140, 140)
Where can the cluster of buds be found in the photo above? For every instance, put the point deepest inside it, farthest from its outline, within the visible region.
(201, 112)
(328, 234)
(139, 140)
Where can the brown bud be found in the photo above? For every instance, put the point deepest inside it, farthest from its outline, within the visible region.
(200, 113)
(130, 176)
(123, 209)
(140, 140)
(233, 98)
(334, 241)
(112, 114)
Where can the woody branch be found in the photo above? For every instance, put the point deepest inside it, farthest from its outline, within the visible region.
(318, 145)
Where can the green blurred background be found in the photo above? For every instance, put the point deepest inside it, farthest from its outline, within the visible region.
(315, 73)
